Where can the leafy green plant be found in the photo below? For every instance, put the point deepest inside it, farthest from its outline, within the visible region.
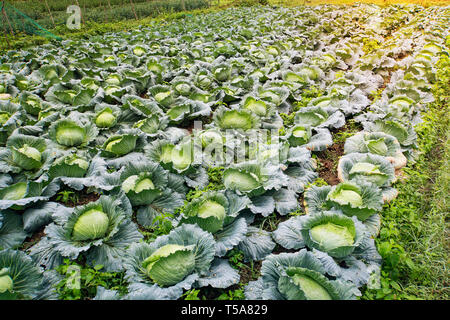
(80, 282)
(161, 225)
(237, 294)
(306, 96)
(351, 128)
(67, 196)
(191, 295)
(288, 119)
(236, 258)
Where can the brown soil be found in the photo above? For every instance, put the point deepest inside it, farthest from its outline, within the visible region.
(279, 249)
(190, 127)
(386, 80)
(86, 198)
(246, 273)
(266, 221)
(328, 161)
(82, 198)
(402, 55)
(301, 200)
(35, 238)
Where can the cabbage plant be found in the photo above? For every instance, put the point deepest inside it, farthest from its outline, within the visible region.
(299, 276)
(31, 103)
(361, 200)
(180, 260)
(188, 110)
(106, 117)
(353, 198)
(163, 95)
(78, 171)
(53, 73)
(266, 185)
(377, 143)
(140, 106)
(122, 143)
(405, 134)
(149, 183)
(21, 279)
(299, 135)
(318, 117)
(337, 236)
(101, 231)
(12, 233)
(261, 108)
(218, 212)
(312, 139)
(248, 178)
(372, 168)
(19, 195)
(25, 153)
(275, 95)
(72, 133)
(208, 212)
(178, 158)
(152, 124)
(70, 165)
(10, 119)
(73, 94)
(235, 119)
(333, 233)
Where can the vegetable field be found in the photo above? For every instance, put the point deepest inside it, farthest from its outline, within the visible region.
(247, 153)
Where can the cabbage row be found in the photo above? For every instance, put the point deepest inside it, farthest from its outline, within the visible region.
(117, 114)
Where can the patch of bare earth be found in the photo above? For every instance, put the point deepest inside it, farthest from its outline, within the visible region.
(248, 275)
(328, 161)
(33, 239)
(82, 198)
(301, 201)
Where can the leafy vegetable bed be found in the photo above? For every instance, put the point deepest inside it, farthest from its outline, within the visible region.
(112, 152)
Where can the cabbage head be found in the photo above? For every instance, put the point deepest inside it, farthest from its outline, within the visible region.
(378, 143)
(22, 194)
(236, 119)
(106, 118)
(245, 178)
(368, 167)
(21, 279)
(100, 231)
(121, 143)
(299, 276)
(71, 133)
(170, 264)
(333, 233)
(25, 152)
(208, 212)
(143, 183)
(90, 225)
(356, 198)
